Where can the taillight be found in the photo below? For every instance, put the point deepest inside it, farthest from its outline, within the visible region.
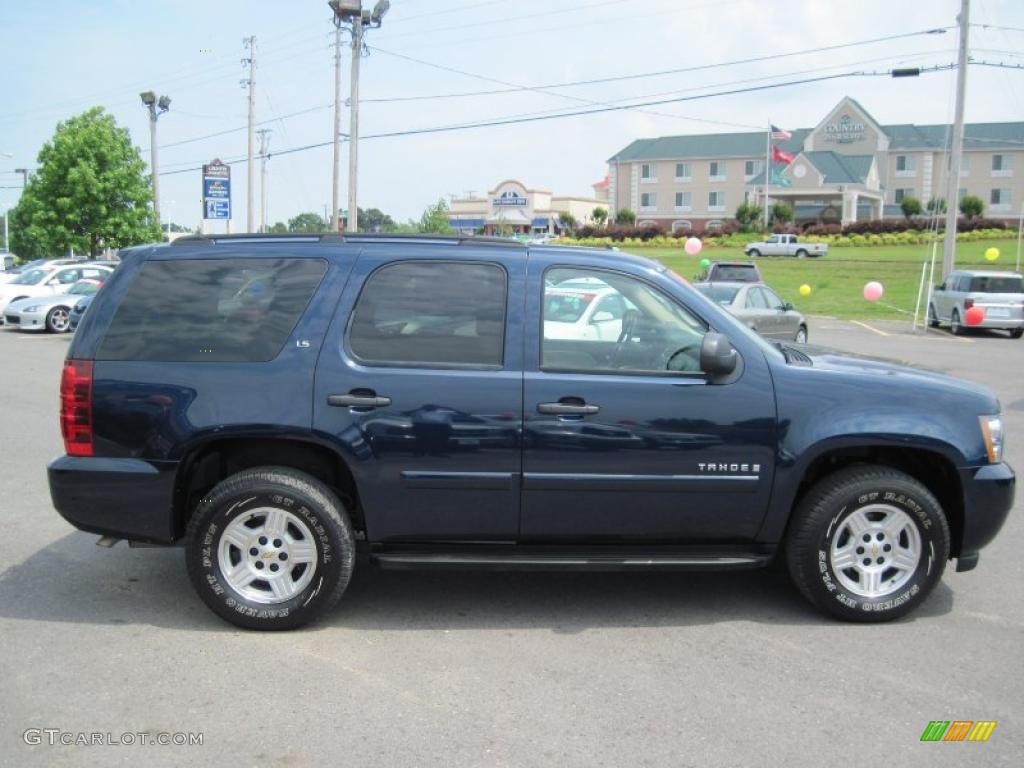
(968, 303)
(76, 407)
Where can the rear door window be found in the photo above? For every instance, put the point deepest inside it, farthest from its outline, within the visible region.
(431, 313)
(997, 284)
(211, 310)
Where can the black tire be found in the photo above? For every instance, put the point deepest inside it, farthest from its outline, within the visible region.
(753, 253)
(235, 501)
(801, 254)
(955, 326)
(826, 514)
(58, 320)
(933, 319)
(1016, 333)
(802, 330)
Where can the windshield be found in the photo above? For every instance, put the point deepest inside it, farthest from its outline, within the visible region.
(723, 294)
(31, 277)
(565, 306)
(1001, 284)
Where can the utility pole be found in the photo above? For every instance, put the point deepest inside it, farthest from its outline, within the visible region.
(336, 179)
(250, 43)
(24, 176)
(956, 151)
(264, 134)
(156, 106)
(351, 12)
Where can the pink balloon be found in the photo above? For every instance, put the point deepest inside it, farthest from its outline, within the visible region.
(693, 246)
(873, 291)
(974, 316)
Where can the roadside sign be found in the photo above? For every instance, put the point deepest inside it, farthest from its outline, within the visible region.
(216, 190)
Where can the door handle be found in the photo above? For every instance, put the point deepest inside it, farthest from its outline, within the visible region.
(358, 401)
(563, 409)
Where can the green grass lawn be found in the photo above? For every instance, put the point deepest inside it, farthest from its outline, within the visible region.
(837, 280)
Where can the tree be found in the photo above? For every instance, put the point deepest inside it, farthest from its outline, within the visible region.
(435, 219)
(375, 220)
(278, 228)
(782, 213)
(748, 215)
(307, 222)
(972, 206)
(936, 206)
(625, 217)
(566, 221)
(599, 215)
(90, 192)
(910, 206)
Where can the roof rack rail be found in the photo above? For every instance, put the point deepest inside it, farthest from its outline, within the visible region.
(346, 237)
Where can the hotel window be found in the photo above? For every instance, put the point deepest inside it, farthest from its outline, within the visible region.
(648, 201)
(961, 193)
(682, 201)
(647, 172)
(716, 201)
(901, 193)
(716, 171)
(1002, 165)
(904, 165)
(751, 168)
(999, 199)
(683, 172)
(965, 165)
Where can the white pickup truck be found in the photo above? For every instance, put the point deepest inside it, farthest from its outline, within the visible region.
(785, 245)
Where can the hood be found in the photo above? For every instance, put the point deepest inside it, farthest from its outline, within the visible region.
(49, 300)
(888, 372)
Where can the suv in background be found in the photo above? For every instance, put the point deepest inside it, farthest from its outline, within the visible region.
(279, 404)
(999, 294)
(732, 272)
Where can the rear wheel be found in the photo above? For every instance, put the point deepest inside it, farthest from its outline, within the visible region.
(933, 319)
(801, 254)
(954, 323)
(867, 543)
(58, 320)
(270, 548)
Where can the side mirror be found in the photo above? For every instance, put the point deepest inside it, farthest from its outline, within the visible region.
(602, 317)
(940, 287)
(787, 307)
(717, 355)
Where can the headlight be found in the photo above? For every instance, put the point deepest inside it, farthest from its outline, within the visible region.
(992, 432)
(33, 308)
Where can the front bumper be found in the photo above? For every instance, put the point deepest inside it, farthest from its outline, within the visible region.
(26, 321)
(988, 499)
(125, 498)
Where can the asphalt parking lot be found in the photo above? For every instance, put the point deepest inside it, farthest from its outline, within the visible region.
(490, 669)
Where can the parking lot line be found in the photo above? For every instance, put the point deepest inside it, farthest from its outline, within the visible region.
(869, 327)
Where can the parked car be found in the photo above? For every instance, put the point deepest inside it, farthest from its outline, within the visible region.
(732, 271)
(785, 245)
(75, 317)
(401, 398)
(48, 280)
(584, 309)
(1000, 294)
(759, 307)
(6, 262)
(10, 274)
(49, 313)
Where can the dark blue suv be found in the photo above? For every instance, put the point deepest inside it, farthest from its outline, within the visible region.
(280, 404)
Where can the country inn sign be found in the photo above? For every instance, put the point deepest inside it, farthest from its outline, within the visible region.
(848, 167)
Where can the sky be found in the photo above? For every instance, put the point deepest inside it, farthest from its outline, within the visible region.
(61, 57)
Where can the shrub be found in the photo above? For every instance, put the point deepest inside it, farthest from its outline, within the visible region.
(782, 213)
(625, 217)
(972, 206)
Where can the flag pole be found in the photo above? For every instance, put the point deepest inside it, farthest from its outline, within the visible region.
(767, 169)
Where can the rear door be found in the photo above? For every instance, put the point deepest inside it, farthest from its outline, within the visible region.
(783, 324)
(756, 312)
(420, 383)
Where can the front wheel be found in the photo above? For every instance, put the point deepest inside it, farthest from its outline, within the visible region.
(270, 548)
(753, 253)
(867, 543)
(801, 335)
(954, 323)
(933, 319)
(1016, 333)
(58, 320)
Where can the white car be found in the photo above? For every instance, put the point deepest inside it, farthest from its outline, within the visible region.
(49, 313)
(48, 280)
(584, 309)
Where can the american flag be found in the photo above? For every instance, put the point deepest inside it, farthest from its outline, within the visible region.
(780, 135)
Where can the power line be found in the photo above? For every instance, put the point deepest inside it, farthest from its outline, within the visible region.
(584, 112)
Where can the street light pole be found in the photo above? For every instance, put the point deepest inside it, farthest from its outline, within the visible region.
(24, 176)
(156, 106)
(336, 178)
(953, 182)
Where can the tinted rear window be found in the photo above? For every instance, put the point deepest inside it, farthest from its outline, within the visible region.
(426, 313)
(1013, 284)
(214, 310)
(736, 272)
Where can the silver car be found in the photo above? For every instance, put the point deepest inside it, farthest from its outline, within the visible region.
(759, 307)
(1000, 294)
(49, 313)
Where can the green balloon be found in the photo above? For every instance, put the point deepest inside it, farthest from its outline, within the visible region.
(705, 263)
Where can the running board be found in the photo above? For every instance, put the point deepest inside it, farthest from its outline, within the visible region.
(571, 558)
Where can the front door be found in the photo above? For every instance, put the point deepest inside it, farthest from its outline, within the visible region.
(625, 439)
(420, 383)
